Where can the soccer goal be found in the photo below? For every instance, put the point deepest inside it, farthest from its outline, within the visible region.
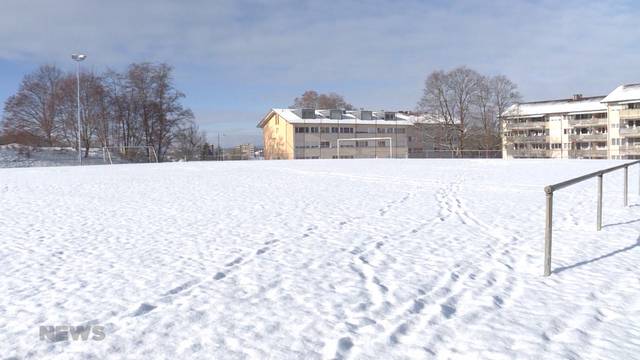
(129, 154)
(367, 139)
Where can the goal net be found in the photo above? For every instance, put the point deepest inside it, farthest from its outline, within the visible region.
(364, 145)
(129, 154)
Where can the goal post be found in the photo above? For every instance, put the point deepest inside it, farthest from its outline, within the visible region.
(129, 154)
(366, 139)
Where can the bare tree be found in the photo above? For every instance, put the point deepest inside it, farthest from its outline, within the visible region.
(468, 105)
(505, 93)
(310, 99)
(169, 113)
(140, 107)
(189, 142)
(486, 114)
(464, 85)
(34, 110)
(438, 100)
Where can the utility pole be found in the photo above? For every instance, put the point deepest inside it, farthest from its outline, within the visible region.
(77, 58)
(220, 151)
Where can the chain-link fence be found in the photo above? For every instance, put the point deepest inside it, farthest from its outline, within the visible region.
(457, 154)
(15, 155)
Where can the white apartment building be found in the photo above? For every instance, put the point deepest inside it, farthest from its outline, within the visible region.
(598, 127)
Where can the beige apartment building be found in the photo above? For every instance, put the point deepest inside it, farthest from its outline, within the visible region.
(598, 127)
(333, 134)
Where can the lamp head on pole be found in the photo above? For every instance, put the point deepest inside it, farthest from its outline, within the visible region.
(78, 57)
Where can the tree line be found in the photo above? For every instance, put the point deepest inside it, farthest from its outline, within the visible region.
(137, 107)
(464, 104)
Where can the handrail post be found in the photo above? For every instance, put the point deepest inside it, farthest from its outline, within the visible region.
(626, 186)
(599, 222)
(548, 231)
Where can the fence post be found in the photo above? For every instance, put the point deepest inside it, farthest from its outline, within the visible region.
(599, 223)
(548, 231)
(626, 185)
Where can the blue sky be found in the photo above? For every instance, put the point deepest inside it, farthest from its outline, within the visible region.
(237, 59)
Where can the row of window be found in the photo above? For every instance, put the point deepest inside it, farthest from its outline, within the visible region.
(358, 143)
(589, 116)
(347, 130)
(586, 131)
(558, 146)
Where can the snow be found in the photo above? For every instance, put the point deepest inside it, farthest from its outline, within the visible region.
(624, 93)
(539, 108)
(362, 259)
(291, 117)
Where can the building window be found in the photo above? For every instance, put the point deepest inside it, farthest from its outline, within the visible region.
(389, 130)
(308, 114)
(400, 130)
(324, 130)
(346, 130)
(324, 144)
(382, 143)
(334, 130)
(314, 129)
(362, 143)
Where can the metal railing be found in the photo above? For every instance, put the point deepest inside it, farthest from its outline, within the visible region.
(589, 137)
(592, 121)
(526, 125)
(549, 204)
(630, 131)
(459, 154)
(630, 114)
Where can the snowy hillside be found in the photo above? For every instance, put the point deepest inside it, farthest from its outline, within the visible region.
(364, 259)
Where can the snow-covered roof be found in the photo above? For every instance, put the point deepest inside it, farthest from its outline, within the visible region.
(352, 117)
(419, 117)
(624, 93)
(540, 108)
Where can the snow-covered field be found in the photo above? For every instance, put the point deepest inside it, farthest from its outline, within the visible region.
(376, 259)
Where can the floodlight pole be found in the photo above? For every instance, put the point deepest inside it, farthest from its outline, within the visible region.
(220, 150)
(77, 58)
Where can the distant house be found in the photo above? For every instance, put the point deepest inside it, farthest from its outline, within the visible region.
(242, 152)
(598, 127)
(332, 134)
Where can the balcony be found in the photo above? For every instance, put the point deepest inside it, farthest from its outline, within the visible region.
(594, 121)
(630, 132)
(528, 139)
(632, 149)
(525, 125)
(629, 114)
(589, 153)
(589, 137)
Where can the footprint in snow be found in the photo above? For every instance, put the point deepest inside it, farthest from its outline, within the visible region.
(236, 261)
(181, 288)
(143, 309)
(219, 276)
